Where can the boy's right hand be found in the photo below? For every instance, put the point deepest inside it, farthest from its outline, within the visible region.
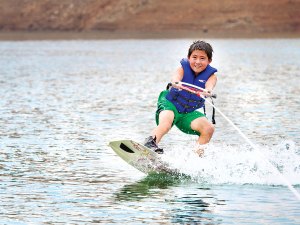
(177, 85)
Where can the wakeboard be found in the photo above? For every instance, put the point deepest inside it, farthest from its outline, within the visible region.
(141, 157)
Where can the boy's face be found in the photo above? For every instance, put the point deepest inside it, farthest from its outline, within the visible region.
(198, 61)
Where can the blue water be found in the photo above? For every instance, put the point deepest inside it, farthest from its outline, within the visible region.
(63, 101)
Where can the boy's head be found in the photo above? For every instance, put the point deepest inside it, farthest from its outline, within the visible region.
(202, 46)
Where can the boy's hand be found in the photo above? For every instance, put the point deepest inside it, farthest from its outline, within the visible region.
(177, 85)
(207, 93)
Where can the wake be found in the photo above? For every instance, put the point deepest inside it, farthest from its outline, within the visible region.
(227, 164)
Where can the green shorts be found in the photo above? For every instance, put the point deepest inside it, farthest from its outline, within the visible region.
(181, 120)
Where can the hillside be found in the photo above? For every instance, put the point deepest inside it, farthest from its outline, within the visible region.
(253, 17)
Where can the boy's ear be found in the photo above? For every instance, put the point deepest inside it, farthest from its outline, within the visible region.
(209, 60)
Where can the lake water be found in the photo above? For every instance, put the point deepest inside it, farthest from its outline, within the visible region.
(63, 101)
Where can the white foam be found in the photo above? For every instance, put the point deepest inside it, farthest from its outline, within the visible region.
(223, 164)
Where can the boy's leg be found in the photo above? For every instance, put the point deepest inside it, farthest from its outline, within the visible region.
(164, 116)
(205, 128)
(196, 123)
(165, 121)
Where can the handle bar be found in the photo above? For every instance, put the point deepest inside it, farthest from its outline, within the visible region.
(192, 88)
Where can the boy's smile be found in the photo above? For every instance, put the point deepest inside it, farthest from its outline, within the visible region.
(198, 61)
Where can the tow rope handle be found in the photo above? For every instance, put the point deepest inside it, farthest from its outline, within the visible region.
(193, 89)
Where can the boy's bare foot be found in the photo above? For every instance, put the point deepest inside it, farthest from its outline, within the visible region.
(200, 152)
(199, 149)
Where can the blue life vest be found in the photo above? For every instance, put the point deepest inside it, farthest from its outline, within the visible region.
(183, 100)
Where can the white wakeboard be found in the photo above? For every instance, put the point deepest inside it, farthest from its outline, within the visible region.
(141, 157)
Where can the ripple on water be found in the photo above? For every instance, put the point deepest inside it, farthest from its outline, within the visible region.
(63, 101)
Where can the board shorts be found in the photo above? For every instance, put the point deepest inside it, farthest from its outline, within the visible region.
(181, 120)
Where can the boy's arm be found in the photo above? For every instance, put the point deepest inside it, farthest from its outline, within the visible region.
(211, 83)
(177, 77)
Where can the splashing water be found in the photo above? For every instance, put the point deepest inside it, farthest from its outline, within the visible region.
(268, 163)
(225, 164)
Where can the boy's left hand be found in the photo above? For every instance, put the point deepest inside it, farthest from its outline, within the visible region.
(207, 93)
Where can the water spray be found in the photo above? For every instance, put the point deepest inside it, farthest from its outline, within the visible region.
(201, 92)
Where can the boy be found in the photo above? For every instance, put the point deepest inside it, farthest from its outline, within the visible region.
(179, 107)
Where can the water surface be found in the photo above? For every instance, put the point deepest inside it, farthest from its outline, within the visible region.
(63, 101)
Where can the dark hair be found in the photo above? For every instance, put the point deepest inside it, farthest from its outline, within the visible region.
(203, 46)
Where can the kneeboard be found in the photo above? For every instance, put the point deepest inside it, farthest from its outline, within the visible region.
(141, 157)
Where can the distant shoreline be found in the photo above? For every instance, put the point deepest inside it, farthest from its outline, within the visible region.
(106, 35)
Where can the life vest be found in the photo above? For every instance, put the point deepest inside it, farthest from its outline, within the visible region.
(183, 100)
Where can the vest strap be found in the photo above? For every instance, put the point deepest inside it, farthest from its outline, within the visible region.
(213, 112)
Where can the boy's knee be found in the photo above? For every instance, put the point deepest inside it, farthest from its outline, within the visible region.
(208, 130)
